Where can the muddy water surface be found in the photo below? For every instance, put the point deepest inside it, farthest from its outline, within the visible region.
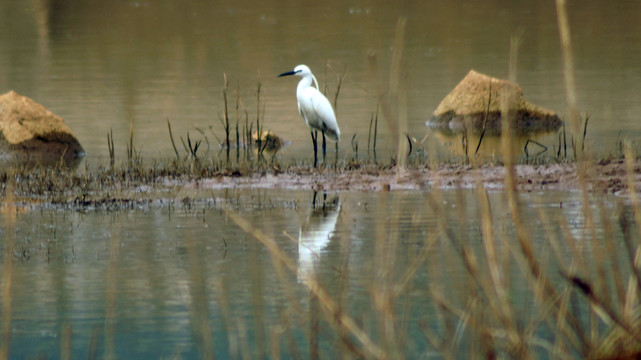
(100, 64)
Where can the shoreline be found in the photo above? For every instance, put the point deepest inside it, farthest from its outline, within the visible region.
(605, 177)
(126, 187)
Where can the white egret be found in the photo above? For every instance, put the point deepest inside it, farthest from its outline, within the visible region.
(314, 107)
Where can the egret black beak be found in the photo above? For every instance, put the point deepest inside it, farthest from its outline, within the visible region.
(287, 73)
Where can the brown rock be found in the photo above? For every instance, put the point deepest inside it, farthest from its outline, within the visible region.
(475, 104)
(28, 132)
(268, 140)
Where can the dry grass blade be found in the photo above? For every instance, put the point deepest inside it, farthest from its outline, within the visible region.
(111, 292)
(65, 342)
(568, 66)
(398, 98)
(341, 319)
(171, 136)
(587, 289)
(199, 311)
(498, 296)
(7, 270)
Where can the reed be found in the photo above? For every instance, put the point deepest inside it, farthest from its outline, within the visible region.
(225, 118)
(338, 318)
(132, 155)
(398, 97)
(111, 290)
(111, 148)
(259, 125)
(199, 315)
(568, 70)
(7, 269)
(171, 137)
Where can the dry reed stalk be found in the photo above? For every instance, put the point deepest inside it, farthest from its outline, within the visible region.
(237, 123)
(476, 285)
(171, 137)
(274, 347)
(571, 99)
(225, 310)
(111, 148)
(633, 247)
(632, 190)
(226, 116)
(335, 315)
(199, 316)
(65, 342)
(257, 289)
(534, 268)
(259, 125)
(495, 290)
(385, 263)
(111, 292)
(342, 288)
(7, 266)
(561, 328)
(611, 253)
(243, 342)
(402, 283)
(92, 346)
(398, 97)
(568, 67)
(131, 152)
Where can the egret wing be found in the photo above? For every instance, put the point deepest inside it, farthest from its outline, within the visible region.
(325, 119)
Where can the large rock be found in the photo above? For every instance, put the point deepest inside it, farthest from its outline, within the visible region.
(30, 132)
(475, 104)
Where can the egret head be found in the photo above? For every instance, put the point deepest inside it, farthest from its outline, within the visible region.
(300, 70)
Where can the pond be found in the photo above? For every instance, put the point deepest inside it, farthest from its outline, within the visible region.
(179, 278)
(192, 271)
(102, 64)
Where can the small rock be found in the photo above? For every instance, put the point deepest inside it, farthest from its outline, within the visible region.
(30, 132)
(268, 140)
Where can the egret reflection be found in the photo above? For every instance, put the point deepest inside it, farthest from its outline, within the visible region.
(315, 234)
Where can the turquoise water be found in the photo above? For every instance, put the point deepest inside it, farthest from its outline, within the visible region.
(153, 281)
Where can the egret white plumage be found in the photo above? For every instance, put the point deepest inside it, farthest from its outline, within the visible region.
(314, 107)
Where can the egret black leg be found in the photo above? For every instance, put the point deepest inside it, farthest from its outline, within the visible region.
(323, 147)
(314, 199)
(314, 134)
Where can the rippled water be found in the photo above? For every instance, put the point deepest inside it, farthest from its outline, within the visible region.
(152, 280)
(100, 64)
(148, 280)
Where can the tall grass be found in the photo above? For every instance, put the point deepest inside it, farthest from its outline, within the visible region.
(7, 270)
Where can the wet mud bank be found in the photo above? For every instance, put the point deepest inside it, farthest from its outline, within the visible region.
(604, 177)
(127, 188)
(109, 189)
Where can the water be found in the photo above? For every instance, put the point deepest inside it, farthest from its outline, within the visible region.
(153, 276)
(100, 64)
(154, 280)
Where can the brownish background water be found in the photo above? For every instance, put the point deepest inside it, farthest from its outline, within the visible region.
(98, 64)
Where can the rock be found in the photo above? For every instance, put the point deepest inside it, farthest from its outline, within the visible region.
(269, 141)
(30, 132)
(475, 104)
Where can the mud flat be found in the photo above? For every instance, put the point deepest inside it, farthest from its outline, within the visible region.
(603, 177)
(113, 189)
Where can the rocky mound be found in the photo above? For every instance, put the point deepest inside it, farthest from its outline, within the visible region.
(30, 132)
(475, 104)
